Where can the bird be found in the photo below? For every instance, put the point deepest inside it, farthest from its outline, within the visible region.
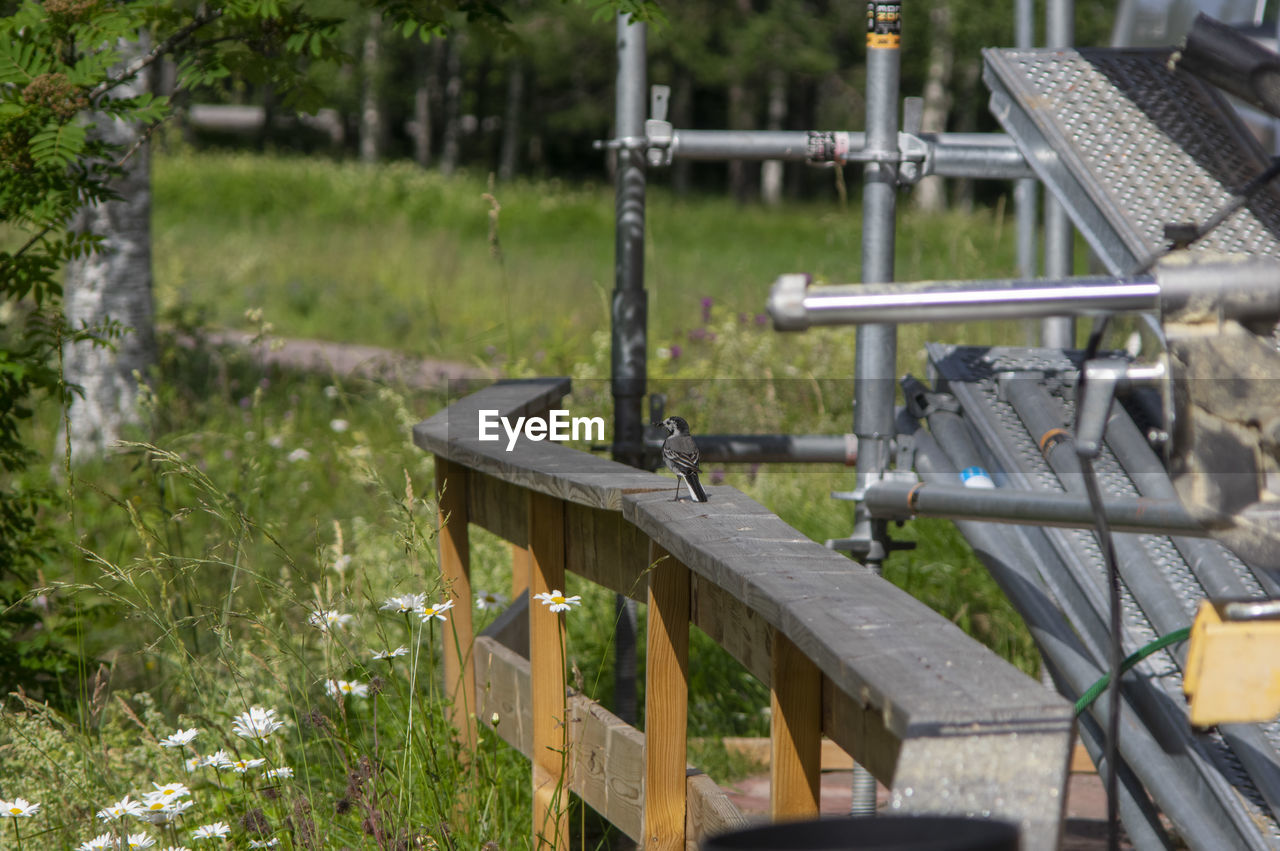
(680, 454)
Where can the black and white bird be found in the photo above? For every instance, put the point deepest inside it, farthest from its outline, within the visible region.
(680, 454)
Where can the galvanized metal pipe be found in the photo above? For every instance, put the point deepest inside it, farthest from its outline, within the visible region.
(788, 145)
(776, 448)
(1059, 236)
(894, 500)
(794, 306)
(630, 301)
(1025, 191)
(982, 156)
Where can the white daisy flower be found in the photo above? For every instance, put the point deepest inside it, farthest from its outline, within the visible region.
(557, 601)
(405, 603)
(139, 840)
(257, 723)
(435, 612)
(169, 790)
(264, 843)
(342, 688)
(330, 392)
(178, 739)
(487, 600)
(217, 830)
(284, 772)
(18, 808)
(120, 809)
(101, 842)
(217, 759)
(191, 763)
(327, 619)
(243, 766)
(391, 654)
(158, 810)
(297, 455)
(339, 425)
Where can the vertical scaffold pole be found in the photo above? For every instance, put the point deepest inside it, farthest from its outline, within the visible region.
(876, 351)
(1026, 190)
(630, 315)
(1058, 331)
(877, 345)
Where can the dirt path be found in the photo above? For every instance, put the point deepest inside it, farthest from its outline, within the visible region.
(350, 359)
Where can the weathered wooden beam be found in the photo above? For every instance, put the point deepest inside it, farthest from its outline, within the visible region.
(603, 548)
(546, 655)
(606, 754)
(666, 703)
(795, 733)
(499, 507)
(455, 566)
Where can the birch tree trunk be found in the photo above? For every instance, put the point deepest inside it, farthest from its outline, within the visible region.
(112, 285)
(451, 146)
(420, 127)
(370, 110)
(771, 170)
(509, 159)
(930, 193)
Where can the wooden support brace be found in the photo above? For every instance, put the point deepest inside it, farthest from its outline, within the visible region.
(520, 569)
(666, 703)
(547, 665)
(455, 566)
(796, 733)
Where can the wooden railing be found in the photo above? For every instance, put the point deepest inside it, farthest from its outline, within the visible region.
(942, 721)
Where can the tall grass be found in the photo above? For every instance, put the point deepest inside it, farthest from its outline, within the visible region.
(196, 558)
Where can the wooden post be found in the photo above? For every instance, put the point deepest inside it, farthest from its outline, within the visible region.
(547, 666)
(520, 569)
(796, 732)
(455, 566)
(666, 702)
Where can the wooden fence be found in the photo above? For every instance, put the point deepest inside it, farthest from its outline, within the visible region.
(942, 721)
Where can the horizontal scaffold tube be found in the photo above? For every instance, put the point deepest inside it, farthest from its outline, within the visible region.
(777, 448)
(892, 500)
(794, 305)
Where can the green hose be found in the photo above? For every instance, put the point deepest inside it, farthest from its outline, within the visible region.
(1091, 694)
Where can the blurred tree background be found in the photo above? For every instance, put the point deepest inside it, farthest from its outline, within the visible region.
(530, 100)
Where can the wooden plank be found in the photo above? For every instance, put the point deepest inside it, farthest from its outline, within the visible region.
(521, 567)
(834, 757)
(745, 635)
(666, 703)
(500, 507)
(504, 692)
(607, 754)
(603, 548)
(608, 764)
(709, 811)
(546, 656)
(455, 566)
(795, 733)
(859, 729)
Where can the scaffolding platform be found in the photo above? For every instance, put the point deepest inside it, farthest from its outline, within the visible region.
(1220, 788)
(1127, 146)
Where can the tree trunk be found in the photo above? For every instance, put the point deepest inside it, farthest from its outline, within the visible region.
(370, 111)
(771, 170)
(509, 160)
(682, 118)
(739, 119)
(451, 147)
(112, 285)
(931, 194)
(420, 126)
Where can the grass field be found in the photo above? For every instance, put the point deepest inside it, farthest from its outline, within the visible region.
(213, 564)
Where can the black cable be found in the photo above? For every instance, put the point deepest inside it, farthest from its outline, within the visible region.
(1107, 545)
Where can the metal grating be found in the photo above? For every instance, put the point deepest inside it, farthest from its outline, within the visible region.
(1127, 146)
(1233, 788)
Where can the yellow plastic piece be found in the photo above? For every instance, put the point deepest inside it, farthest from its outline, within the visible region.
(1233, 669)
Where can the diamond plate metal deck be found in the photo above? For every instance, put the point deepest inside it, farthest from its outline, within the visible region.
(1220, 788)
(1127, 146)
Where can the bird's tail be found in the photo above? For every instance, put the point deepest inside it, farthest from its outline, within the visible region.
(695, 487)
